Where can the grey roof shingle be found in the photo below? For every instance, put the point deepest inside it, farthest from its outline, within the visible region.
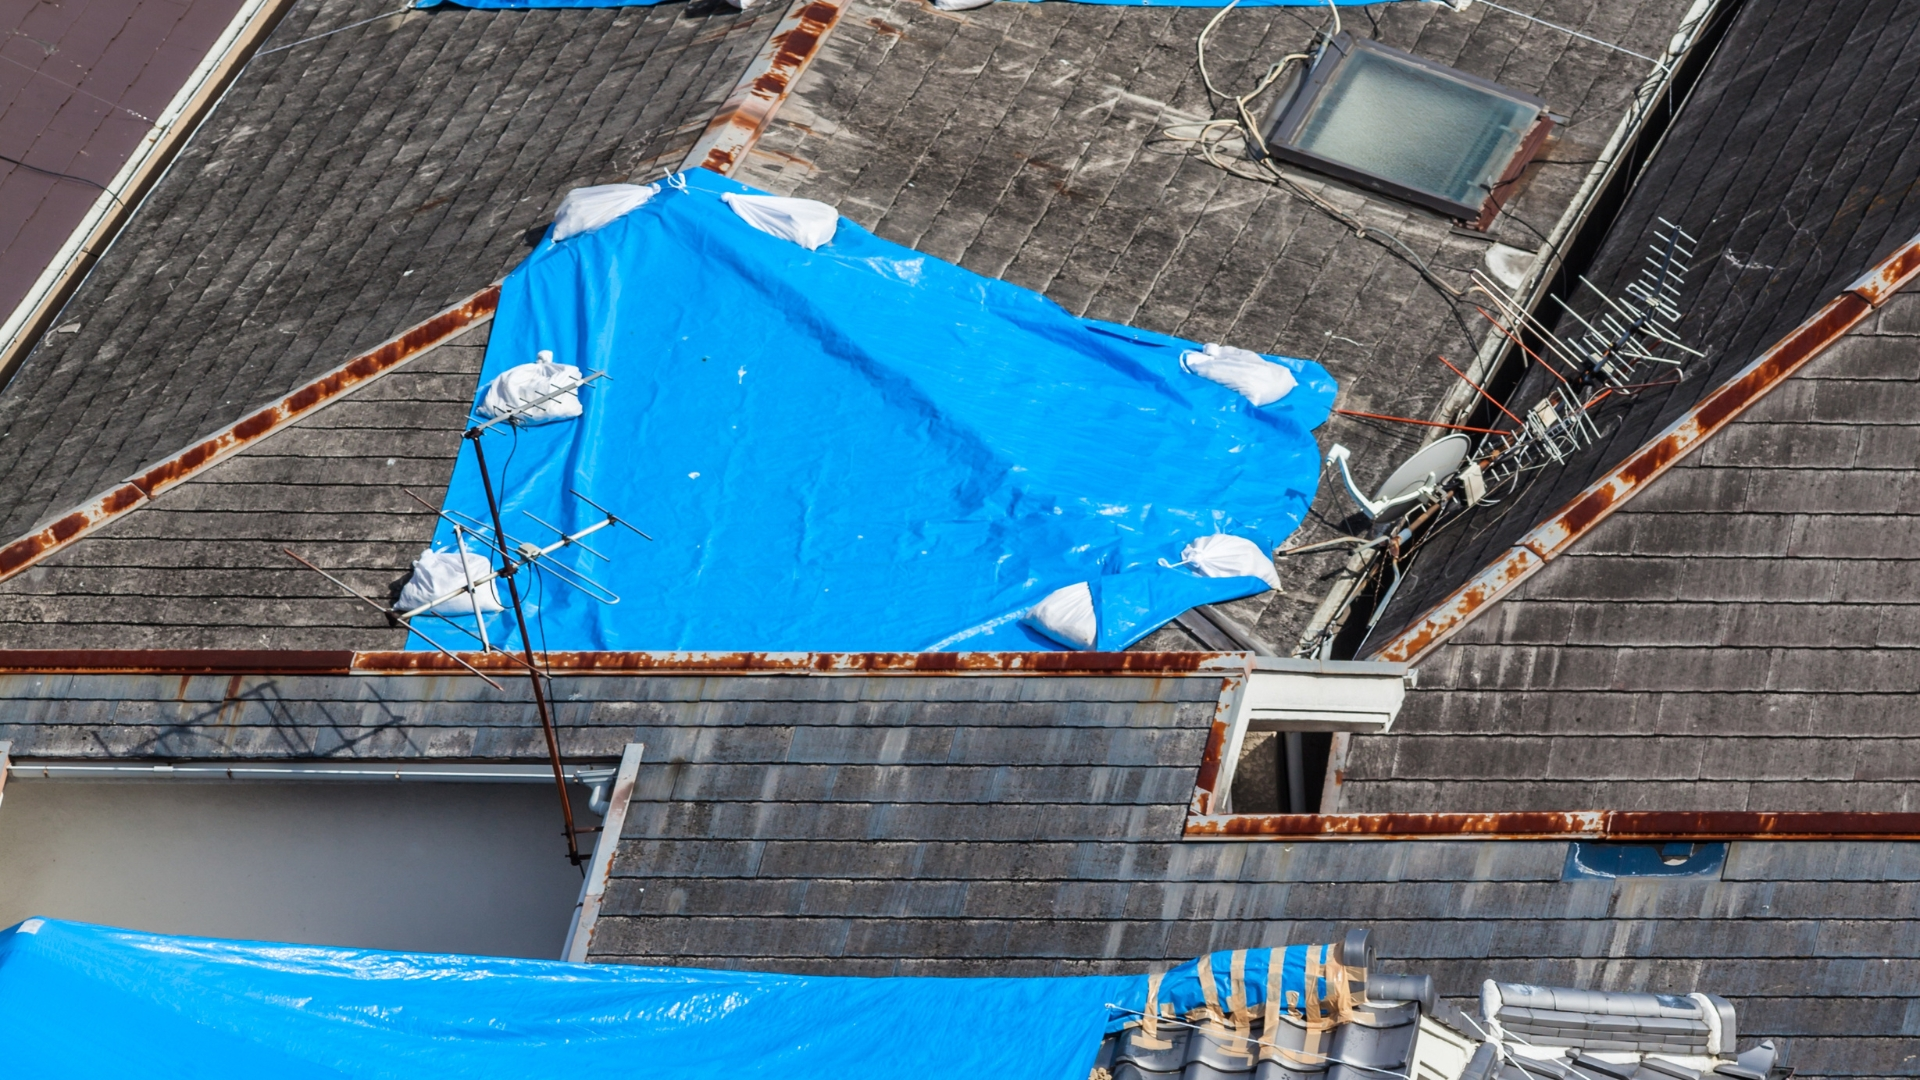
(1792, 162)
(1739, 637)
(344, 190)
(352, 185)
(1022, 141)
(1031, 825)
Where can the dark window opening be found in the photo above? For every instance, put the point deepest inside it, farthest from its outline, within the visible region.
(1261, 782)
(1407, 127)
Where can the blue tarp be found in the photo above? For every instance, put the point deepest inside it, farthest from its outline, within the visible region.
(80, 1001)
(861, 448)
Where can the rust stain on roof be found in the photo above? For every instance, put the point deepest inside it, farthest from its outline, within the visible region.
(1510, 569)
(345, 662)
(136, 490)
(1643, 466)
(1625, 825)
(796, 40)
(937, 663)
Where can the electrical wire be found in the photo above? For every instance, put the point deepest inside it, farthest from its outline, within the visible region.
(336, 30)
(1212, 135)
(1575, 33)
(62, 176)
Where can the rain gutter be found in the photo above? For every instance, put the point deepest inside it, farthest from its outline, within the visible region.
(1600, 499)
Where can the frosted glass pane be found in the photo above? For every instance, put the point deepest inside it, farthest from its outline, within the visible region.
(1415, 127)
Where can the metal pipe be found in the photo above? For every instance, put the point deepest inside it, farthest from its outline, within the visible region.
(507, 571)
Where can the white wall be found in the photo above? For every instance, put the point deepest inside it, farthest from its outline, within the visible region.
(435, 867)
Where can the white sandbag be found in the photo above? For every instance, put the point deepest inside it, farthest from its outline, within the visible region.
(1066, 616)
(803, 221)
(960, 5)
(437, 573)
(1221, 555)
(520, 387)
(1253, 376)
(589, 208)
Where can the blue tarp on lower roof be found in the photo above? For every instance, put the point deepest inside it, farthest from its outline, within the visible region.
(861, 448)
(82, 1001)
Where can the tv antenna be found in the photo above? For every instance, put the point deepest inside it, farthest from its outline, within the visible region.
(515, 554)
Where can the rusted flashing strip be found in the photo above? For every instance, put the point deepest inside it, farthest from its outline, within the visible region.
(1207, 781)
(343, 662)
(136, 490)
(936, 663)
(1632, 476)
(795, 41)
(1620, 825)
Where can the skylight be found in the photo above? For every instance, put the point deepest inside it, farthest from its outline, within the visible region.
(1408, 127)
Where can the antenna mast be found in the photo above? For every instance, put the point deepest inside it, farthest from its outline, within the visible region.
(515, 555)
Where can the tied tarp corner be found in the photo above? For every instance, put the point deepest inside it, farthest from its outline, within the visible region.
(83, 1001)
(858, 448)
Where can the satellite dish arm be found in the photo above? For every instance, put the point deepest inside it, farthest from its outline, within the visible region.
(1339, 456)
(1375, 510)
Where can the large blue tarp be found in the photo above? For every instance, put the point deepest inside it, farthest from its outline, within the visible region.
(861, 448)
(80, 1001)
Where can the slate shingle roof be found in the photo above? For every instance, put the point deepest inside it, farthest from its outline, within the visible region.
(1741, 636)
(1793, 163)
(1021, 141)
(344, 190)
(992, 825)
(351, 186)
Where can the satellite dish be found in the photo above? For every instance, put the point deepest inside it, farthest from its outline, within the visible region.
(1418, 477)
(1433, 463)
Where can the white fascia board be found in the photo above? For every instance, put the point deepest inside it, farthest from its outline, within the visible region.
(1286, 694)
(1323, 696)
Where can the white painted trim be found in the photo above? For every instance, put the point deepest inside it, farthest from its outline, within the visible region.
(1285, 694)
(593, 889)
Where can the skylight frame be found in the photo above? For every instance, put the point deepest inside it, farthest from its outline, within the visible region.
(1292, 112)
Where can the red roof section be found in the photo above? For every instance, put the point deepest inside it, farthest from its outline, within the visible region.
(81, 82)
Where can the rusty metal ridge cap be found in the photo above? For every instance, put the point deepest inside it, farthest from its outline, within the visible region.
(1600, 499)
(1618, 825)
(346, 662)
(137, 489)
(826, 663)
(796, 39)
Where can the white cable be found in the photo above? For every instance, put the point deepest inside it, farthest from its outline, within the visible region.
(1574, 33)
(330, 33)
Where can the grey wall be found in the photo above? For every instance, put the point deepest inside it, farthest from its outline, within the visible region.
(470, 868)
